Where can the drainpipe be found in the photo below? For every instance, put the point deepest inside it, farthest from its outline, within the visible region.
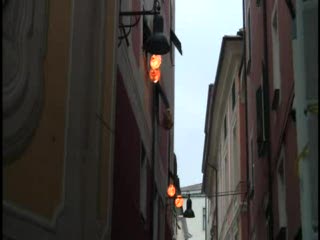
(267, 114)
(153, 152)
(216, 195)
(246, 115)
(157, 91)
(206, 212)
(216, 172)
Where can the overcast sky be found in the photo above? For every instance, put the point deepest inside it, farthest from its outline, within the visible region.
(200, 27)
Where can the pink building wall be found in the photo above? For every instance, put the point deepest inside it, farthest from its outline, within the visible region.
(282, 126)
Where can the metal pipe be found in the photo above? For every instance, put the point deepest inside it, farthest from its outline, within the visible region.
(205, 222)
(153, 152)
(216, 173)
(162, 95)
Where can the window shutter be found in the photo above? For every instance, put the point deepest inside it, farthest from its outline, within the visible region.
(260, 122)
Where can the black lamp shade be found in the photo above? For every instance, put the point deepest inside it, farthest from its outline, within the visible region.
(157, 43)
(188, 213)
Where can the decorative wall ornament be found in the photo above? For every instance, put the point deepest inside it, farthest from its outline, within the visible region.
(24, 37)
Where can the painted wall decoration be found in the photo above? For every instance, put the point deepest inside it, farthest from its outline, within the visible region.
(24, 35)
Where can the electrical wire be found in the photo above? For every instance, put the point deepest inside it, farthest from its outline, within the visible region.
(131, 25)
(125, 34)
(155, 8)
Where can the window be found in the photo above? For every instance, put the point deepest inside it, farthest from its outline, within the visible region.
(276, 53)
(225, 127)
(260, 122)
(251, 170)
(236, 236)
(156, 214)
(227, 187)
(259, 112)
(267, 212)
(249, 42)
(203, 219)
(258, 3)
(253, 235)
(298, 236)
(281, 192)
(268, 226)
(275, 19)
(233, 94)
(143, 183)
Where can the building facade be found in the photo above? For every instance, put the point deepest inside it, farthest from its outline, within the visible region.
(88, 138)
(58, 118)
(144, 159)
(224, 173)
(306, 77)
(197, 226)
(278, 107)
(273, 204)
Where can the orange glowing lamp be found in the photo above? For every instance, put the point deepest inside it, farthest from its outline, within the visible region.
(154, 75)
(171, 191)
(155, 61)
(178, 201)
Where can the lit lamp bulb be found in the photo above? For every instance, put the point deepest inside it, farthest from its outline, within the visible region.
(178, 201)
(171, 191)
(155, 61)
(154, 75)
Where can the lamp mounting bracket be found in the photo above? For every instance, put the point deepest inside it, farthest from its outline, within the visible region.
(139, 13)
(155, 11)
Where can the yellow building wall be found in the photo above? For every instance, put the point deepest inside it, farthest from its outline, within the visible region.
(107, 113)
(35, 180)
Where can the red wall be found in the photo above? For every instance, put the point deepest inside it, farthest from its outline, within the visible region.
(256, 211)
(126, 220)
(282, 127)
